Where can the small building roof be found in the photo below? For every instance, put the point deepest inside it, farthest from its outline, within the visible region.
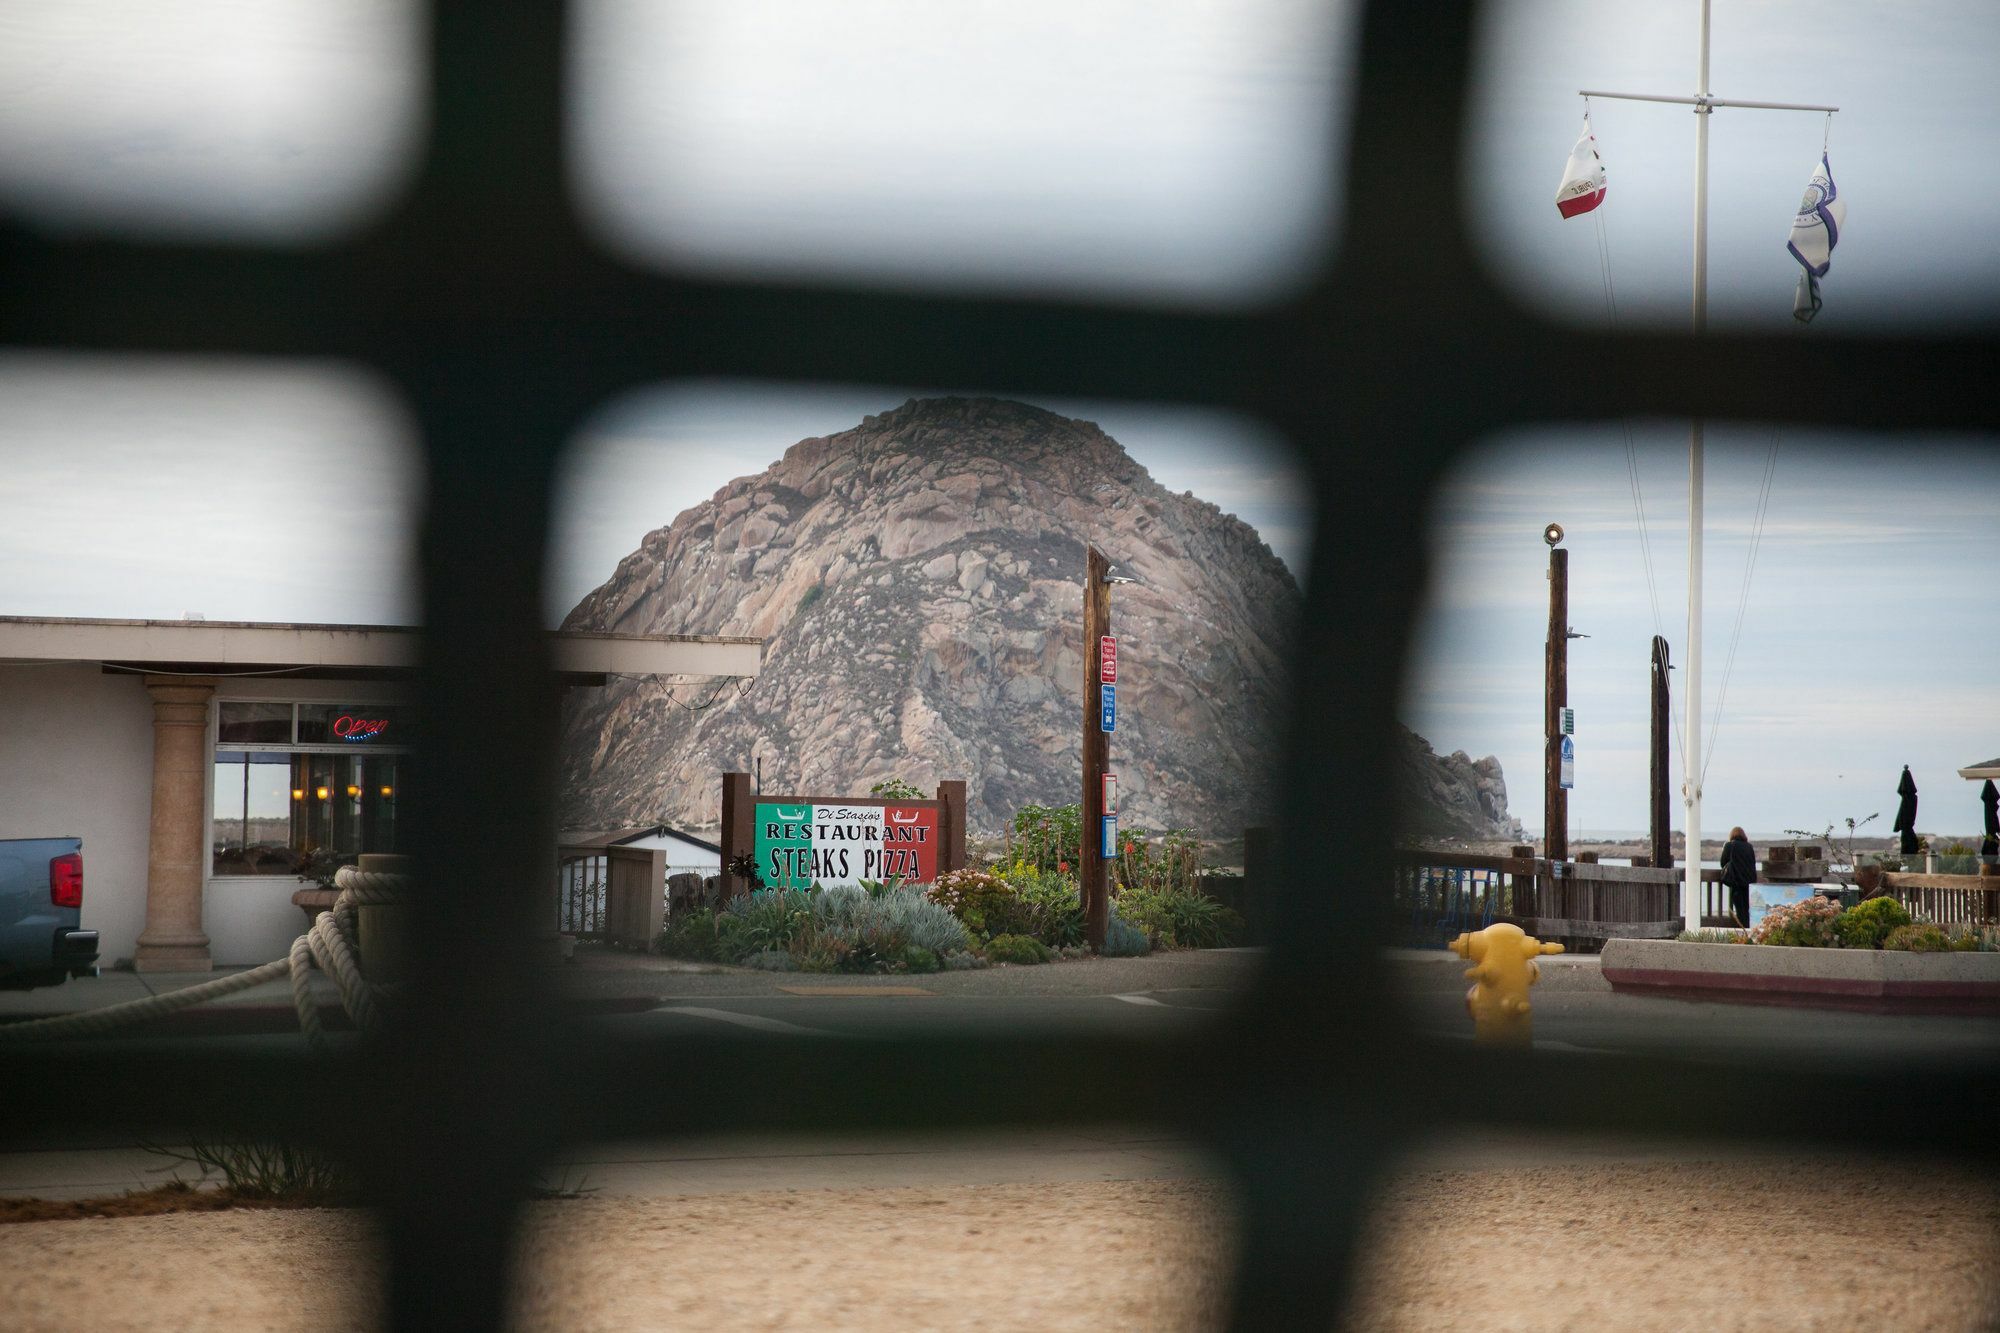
(1989, 769)
(621, 836)
(346, 652)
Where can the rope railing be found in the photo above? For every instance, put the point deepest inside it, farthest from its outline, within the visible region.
(330, 944)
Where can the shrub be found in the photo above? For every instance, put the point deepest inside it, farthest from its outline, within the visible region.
(1863, 925)
(1180, 918)
(882, 929)
(895, 789)
(1807, 924)
(1916, 937)
(1016, 949)
(920, 959)
(1047, 837)
(1707, 936)
(692, 935)
(765, 919)
(1174, 863)
(1124, 940)
(986, 903)
(1047, 905)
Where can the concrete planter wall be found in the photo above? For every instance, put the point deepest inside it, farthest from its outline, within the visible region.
(1867, 980)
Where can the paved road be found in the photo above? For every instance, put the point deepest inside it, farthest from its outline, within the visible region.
(1574, 1010)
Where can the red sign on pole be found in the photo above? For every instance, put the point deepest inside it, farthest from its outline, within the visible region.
(1107, 660)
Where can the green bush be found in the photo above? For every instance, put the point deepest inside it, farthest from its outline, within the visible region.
(895, 789)
(1807, 924)
(982, 900)
(766, 919)
(1916, 938)
(1863, 925)
(1174, 862)
(1122, 939)
(1047, 905)
(1048, 837)
(1708, 936)
(1017, 949)
(842, 929)
(693, 936)
(1180, 918)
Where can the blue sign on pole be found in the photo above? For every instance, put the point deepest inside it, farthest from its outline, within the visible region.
(1108, 718)
(1566, 778)
(1108, 847)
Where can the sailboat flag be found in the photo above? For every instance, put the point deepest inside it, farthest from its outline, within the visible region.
(1815, 231)
(1583, 178)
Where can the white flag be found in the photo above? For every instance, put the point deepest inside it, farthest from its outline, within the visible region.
(1816, 229)
(1583, 178)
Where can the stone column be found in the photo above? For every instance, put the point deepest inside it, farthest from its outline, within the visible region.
(173, 940)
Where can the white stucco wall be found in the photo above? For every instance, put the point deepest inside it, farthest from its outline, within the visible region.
(76, 759)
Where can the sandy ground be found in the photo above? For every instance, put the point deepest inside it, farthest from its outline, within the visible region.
(1652, 1246)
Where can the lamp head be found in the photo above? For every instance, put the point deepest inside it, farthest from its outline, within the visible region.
(1553, 534)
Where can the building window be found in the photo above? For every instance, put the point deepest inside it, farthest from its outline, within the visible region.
(299, 788)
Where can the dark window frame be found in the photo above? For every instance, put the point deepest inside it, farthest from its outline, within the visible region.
(501, 324)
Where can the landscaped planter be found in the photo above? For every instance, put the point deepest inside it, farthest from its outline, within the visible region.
(1876, 981)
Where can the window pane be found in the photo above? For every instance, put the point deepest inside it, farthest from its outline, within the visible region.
(353, 724)
(253, 724)
(253, 813)
(1181, 153)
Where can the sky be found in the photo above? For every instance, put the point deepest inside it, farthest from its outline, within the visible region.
(1184, 156)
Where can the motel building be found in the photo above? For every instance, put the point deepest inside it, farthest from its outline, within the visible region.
(205, 764)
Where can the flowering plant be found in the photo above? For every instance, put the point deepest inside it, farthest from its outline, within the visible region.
(1807, 924)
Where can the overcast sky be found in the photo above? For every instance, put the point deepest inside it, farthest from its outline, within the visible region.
(1175, 155)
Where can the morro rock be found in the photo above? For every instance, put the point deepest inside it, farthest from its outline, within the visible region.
(918, 583)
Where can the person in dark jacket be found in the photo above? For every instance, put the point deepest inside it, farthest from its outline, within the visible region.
(1739, 872)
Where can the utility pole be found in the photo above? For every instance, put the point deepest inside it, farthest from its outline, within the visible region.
(1704, 104)
(1656, 791)
(1091, 879)
(1555, 691)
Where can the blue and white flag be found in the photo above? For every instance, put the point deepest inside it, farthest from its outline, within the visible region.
(1815, 231)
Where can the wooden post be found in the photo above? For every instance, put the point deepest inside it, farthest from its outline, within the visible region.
(739, 830)
(1555, 801)
(1096, 750)
(1661, 829)
(951, 826)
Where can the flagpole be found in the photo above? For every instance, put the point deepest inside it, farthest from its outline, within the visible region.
(1704, 105)
(1691, 787)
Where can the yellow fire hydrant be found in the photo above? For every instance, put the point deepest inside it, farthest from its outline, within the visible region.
(1503, 968)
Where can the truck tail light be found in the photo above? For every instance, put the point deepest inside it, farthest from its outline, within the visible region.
(66, 880)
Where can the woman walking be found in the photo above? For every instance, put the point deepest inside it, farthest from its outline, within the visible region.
(1739, 871)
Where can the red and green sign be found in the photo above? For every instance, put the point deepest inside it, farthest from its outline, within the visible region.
(801, 843)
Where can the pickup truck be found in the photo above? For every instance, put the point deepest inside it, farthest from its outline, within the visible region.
(41, 904)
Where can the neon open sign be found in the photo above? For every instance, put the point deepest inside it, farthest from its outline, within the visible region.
(351, 728)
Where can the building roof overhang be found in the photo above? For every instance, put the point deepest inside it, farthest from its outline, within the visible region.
(345, 652)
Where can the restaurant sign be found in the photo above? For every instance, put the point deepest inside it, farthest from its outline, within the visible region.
(800, 843)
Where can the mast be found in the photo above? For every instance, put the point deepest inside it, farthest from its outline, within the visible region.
(1691, 778)
(1704, 104)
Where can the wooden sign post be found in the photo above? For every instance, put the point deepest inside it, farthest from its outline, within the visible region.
(1098, 719)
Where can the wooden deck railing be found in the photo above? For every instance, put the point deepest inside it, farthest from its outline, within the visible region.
(1577, 903)
(1582, 904)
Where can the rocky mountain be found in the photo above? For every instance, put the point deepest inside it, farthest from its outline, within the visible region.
(1450, 796)
(917, 581)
